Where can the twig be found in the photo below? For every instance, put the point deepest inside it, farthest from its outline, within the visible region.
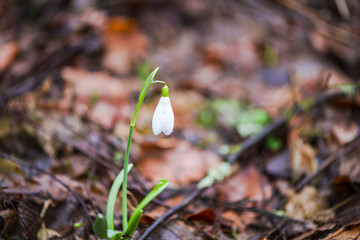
(28, 232)
(20, 192)
(51, 175)
(331, 159)
(171, 212)
(278, 123)
(252, 141)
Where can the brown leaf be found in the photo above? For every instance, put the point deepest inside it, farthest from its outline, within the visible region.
(271, 99)
(86, 84)
(163, 143)
(239, 221)
(121, 25)
(57, 191)
(176, 230)
(345, 233)
(124, 45)
(186, 105)
(8, 52)
(77, 166)
(159, 211)
(147, 219)
(246, 183)
(110, 94)
(181, 165)
(303, 159)
(306, 204)
(350, 167)
(104, 114)
(313, 234)
(46, 233)
(345, 132)
(207, 215)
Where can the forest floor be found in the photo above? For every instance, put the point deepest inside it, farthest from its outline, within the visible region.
(266, 103)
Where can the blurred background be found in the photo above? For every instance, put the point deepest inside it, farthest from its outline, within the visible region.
(70, 77)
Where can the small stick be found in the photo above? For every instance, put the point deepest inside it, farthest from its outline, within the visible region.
(28, 232)
(331, 159)
(171, 212)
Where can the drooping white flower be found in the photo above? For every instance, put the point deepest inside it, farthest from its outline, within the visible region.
(163, 118)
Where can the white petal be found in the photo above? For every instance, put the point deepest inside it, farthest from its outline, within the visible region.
(156, 121)
(163, 118)
(167, 121)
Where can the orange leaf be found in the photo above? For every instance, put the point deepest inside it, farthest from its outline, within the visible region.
(207, 215)
(8, 52)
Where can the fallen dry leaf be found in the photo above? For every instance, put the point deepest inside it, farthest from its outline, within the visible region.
(239, 221)
(350, 167)
(8, 52)
(312, 234)
(124, 45)
(245, 183)
(46, 233)
(86, 84)
(307, 75)
(104, 114)
(271, 99)
(149, 217)
(181, 165)
(345, 233)
(75, 166)
(186, 105)
(57, 191)
(306, 204)
(345, 132)
(98, 94)
(121, 24)
(303, 160)
(175, 230)
(206, 215)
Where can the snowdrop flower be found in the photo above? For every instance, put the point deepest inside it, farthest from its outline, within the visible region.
(163, 118)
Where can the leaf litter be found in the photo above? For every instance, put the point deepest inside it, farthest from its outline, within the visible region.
(69, 78)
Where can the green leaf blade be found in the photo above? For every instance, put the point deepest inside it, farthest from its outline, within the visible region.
(154, 192)
(100, 226)
(112, 198)
(134, 224)
(147, 84)
(114, 235)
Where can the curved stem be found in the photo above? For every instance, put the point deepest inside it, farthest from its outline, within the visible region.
(158, 81)
(144, 90)
(126, 162)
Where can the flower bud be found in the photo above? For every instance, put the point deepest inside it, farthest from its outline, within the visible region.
(163, 118)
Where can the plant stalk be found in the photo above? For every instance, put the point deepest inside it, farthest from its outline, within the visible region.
(143, 92)
(124, 189)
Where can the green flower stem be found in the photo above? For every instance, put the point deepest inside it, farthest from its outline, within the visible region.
(124, 192)
(144, 90)
(158, 81)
